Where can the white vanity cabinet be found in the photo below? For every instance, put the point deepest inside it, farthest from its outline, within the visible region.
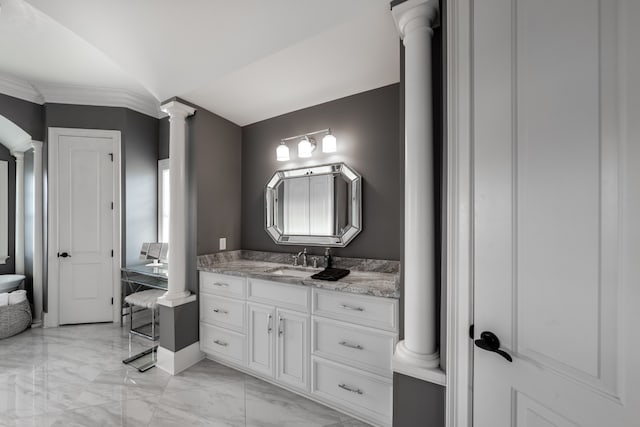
(331, 346)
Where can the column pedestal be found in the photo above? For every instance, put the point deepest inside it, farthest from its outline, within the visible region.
(417, 355)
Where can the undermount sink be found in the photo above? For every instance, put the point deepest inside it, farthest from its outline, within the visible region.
(294, 272)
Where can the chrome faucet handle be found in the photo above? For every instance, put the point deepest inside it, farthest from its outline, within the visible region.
(314, 261)
(295, 260)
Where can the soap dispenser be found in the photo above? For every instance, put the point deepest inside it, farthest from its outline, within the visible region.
(327, 258)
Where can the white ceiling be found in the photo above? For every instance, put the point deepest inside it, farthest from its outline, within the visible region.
(246, 60)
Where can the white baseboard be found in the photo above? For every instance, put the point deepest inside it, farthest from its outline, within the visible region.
(174, 363)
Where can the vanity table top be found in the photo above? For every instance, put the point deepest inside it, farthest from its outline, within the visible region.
(367, 277)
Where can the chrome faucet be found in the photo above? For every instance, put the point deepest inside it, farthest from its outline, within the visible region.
(304, 258)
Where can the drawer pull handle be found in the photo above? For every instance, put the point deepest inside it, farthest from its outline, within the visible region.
(269, 328)
(350, 307)
(352, 390)
(220, 285)
(218, 310)
(280, 328)
(221, 343)
(347, 344)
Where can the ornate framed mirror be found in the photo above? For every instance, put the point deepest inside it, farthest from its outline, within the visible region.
(315, 206)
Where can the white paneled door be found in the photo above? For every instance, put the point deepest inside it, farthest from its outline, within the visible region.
(550, 212)
(85, 194)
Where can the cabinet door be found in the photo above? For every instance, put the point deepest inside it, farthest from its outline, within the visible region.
(262, 327)
(293, 348)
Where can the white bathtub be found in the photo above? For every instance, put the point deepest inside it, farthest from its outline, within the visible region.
(10, 282)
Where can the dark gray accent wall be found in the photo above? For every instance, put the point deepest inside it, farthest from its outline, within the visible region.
(367, 128)
(10, 266)
(140, 165)
(163, 138)
(417, 403)
(217, 145)
(139, 152)
(27, 115)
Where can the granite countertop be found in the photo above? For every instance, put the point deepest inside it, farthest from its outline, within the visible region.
(367, 277)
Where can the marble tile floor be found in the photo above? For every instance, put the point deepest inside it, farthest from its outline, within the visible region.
(74, 376)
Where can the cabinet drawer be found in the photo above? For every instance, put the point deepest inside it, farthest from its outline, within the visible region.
(360, 347)
(221, 311)
(363, 310)
(295, 297)
(362, 392)
(221, 284)
(224, 343)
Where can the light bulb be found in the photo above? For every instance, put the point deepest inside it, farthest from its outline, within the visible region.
(329, 143)
(282, 153)
(304, 148)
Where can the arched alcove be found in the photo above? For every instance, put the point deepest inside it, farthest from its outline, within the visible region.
(17, 143)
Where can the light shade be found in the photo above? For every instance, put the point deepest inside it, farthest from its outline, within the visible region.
(329, 143)
(305, 147)
(282, 152)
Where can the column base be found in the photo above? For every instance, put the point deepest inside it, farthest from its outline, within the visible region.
(174, 300)
(174, 363)
(422, 366)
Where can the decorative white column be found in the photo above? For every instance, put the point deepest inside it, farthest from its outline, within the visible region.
(38, 236)
(417, 355)
(19, 243)
(177, 293)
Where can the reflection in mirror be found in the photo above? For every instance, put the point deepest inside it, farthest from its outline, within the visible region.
(4, 211)
(318, 205)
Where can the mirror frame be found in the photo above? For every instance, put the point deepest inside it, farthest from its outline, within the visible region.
(338, 241)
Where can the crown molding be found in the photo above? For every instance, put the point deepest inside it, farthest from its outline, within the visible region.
(20, 89)
(41, 93)
(105, 97)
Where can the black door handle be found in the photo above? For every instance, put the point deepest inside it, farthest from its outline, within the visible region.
(490, 342)
(63, 255)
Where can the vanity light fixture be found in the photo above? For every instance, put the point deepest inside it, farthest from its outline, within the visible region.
(307, 145)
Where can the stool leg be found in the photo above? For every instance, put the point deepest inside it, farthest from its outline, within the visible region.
(153, 332)
(130, 325)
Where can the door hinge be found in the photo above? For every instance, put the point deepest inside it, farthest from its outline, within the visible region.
(111, 155)
(471, 332)
(111, 300)
(111, 205)
(111, 253)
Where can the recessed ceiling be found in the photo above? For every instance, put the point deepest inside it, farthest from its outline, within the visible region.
(245, 60)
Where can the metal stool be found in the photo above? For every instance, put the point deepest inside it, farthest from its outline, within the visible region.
(145, 300)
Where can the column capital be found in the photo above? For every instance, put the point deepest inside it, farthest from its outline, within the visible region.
(177, 109)
(37, 145)
(19, 155)
(414, 14)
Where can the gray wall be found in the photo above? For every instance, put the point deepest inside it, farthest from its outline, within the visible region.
(139, 139)
(367, 128)
(417, 402)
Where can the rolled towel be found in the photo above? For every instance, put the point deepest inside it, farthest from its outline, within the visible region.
(18, 296)
(4, 299)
